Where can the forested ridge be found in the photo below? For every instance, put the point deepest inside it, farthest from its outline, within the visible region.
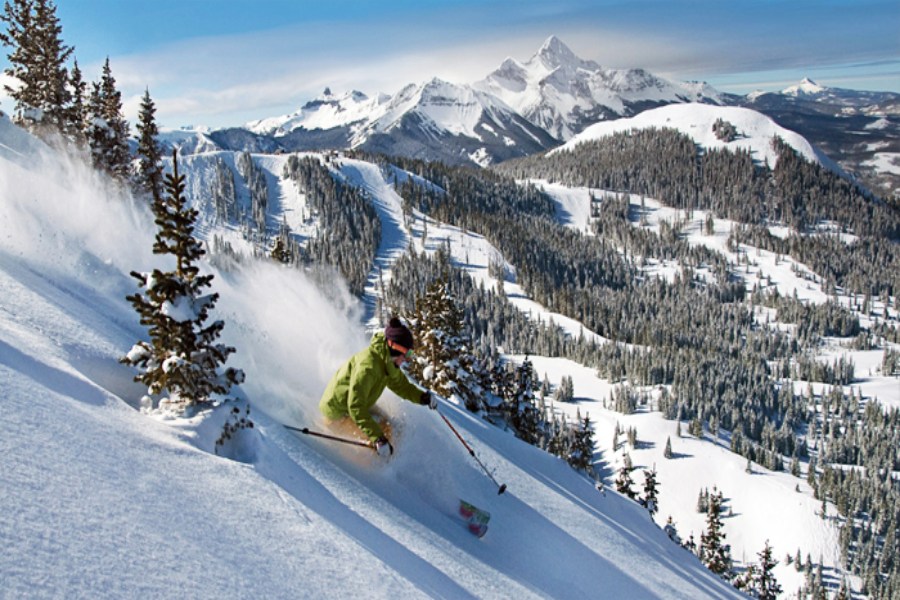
(349, 232)
(696, 346)
(699, 340)
(666, 165)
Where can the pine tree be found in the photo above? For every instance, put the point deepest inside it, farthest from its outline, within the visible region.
(764, 583)
(108, 130)
(581, 451)
(444, 358)
(714, 553)
(696, 428)
(624, 481)
(149, 173)
(38, 62)
(668, 450)
(651, 492)
(182, 356)
(566, 390)
(77, 119)
(844, 591)
(524, 415)
(703, 501)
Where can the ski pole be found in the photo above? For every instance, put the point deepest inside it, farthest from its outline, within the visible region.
(335, 438)
(501, 487)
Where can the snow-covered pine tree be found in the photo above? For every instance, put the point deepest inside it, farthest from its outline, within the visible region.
(703, 501)
(624, 480)
(77, 119)
(182, 357)
(445, 362)
(714, 553)
(581, 450)
(650, 500)
(148, 177)
(764, 584)
(554, 431)
(758, 580)
(107, 131)
(524, 414)
(38, 62)
(566, 390)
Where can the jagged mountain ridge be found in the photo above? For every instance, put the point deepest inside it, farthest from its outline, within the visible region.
(525, 107)
(555, 90)
(482, 123)
(563, 93)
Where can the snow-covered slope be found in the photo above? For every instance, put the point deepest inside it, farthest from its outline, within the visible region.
(562, 93)
(99, 500)
(761, 506)
(754, 130)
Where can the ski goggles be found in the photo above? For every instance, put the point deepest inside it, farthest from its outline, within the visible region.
(405, 352)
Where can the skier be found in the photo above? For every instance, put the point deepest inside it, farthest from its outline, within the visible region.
(358, 384)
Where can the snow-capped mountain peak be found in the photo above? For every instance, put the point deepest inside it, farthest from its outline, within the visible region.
(807, 87)
(562, 93)
(474, 123)
(554, 54)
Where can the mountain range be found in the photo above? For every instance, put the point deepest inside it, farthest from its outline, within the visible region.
(522, 108)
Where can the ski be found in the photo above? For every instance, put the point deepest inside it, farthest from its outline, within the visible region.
(475, 518)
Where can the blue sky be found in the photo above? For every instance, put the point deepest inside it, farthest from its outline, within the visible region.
(225, 62)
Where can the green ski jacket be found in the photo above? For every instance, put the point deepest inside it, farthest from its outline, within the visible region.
(358, 385)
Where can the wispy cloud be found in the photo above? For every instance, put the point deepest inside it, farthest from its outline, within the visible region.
(291, 51)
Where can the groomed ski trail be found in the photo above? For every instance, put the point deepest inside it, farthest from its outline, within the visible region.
(394, 235)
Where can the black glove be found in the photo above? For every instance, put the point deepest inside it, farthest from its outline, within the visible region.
(428, 399)
(383, 447)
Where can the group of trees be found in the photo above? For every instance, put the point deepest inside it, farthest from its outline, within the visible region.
(450, 365)
(696, 336)
(182, 360)
(666, 164)
(349, 231)
(53, 100)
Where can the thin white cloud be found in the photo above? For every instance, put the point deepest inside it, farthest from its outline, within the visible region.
(229, 79)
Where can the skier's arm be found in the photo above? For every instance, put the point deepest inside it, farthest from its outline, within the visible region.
(403, 387)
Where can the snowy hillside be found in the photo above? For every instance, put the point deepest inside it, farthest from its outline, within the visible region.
(754, 130)
(99, 500)
(762, 505)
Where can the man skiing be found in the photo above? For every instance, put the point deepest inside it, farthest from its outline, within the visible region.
(358, 384)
